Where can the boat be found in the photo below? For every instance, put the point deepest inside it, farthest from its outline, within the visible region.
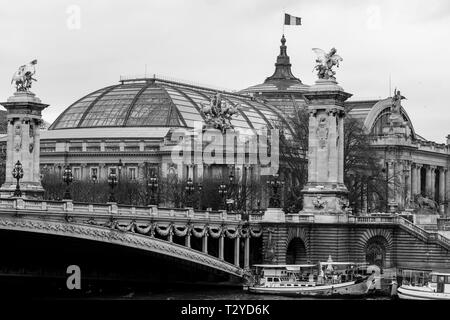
(436, 288)
(328, 279)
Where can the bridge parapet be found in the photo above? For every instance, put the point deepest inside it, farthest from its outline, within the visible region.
(97, 209)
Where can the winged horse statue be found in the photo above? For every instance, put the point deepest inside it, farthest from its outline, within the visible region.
(326, 62)
(24, 76)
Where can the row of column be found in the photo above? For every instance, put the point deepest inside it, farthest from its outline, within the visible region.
(430, 180)
(222, 248)
(405, 181)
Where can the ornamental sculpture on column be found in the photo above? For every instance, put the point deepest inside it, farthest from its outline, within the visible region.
(23, 143)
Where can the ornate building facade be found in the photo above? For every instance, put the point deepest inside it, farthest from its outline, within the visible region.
(133, 121)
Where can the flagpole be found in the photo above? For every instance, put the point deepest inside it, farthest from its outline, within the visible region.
(283, 20)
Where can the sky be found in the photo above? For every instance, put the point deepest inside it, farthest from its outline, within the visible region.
(82, 46)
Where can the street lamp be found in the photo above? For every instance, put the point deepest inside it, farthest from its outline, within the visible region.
(67, 178)
(112, 181)
(17, 174)
(189, 189)
(223, 193)
(274, 184)
(119, 166)
(153, 184)
(199, 189)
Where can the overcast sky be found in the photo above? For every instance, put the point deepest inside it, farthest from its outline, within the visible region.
(232, 44)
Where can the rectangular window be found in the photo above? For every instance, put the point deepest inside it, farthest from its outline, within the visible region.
(94, 173)
(132, 173)
(76, 173)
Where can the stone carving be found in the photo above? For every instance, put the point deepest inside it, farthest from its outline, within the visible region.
(396, 106)
(426, 203)
(31, 133)
(219, 113)
(318, 203)
(18, 137)
(23, 77)
(326, 62)
(322, 131)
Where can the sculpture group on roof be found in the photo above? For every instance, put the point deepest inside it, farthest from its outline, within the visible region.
(23, 77)
(218, 113)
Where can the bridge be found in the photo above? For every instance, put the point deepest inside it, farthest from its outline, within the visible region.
(153, 229)
(390, 240)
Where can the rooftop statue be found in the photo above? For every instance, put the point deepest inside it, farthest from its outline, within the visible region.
(218, 114)
(397, 102)
(326, 62)
(24, 76)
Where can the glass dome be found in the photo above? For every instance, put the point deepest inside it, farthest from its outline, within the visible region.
(159, 103)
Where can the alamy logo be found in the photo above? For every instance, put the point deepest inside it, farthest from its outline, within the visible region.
(74, 280)
(212, 146)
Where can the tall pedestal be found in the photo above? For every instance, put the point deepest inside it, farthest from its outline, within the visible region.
(24, 119)
(325, 191)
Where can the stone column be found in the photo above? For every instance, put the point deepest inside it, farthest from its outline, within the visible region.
(407, 172)
(419, 178)
(433, 182)
(205, 243)
(428, 181)
(221, 246)
(325, 192)
(414, 179)
(247, 253)
(236, 251)
(24, 111)
(442, 175)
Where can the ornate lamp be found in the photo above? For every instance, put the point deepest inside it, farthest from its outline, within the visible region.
(17, 174)
(94, 178)
(112, 181)
(189, 189)
(119, 166)
(67, 178)
(223, 193)
(153, 184)
(199, 189)
(274, 184)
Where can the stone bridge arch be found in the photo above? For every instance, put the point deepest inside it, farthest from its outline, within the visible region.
(121, 238)
(376, 245)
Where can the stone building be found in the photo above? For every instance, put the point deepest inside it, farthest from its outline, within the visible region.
(134, 119)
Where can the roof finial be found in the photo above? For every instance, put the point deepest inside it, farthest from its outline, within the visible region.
(283, 65)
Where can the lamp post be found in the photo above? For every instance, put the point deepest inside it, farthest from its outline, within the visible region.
(153, 185)
(230, 206)
(119, 167)
(94, 181)
(199, 189)
(67, 178)
(17, 174)
(223, 193)
(274, 184)
(112, 181)
(189, 189)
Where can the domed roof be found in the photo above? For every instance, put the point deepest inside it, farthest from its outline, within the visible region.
(158, 103)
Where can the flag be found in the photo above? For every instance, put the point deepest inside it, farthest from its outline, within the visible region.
(291, 20)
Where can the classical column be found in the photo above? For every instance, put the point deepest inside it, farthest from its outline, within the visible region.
(205, 243)
(442, 175)
(414, 179)
(221, 246)
(247, 253)
(428, 190)
(433, 181)
(391, 181)
(407, 171)
(236, 251)
(419, 178)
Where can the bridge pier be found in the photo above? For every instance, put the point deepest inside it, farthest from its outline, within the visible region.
(236, 251)
(247, 253)
(205, 243)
